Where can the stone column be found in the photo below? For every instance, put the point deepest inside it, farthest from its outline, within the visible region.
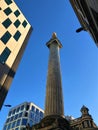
(54, 96)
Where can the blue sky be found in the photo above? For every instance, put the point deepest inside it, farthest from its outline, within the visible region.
(79, 60)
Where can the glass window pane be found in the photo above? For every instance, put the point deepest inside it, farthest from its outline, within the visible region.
(13, 124)
(17, 35)
(27, 107)
(32, 115)
(18, 122)
(37, 111)
(10, 113)
(33, 108)
(24, 23)
(17, 128)
(16, 116)
(5, 54)
(5, 127)
(31, 123)
(17, 13)
(17, 23)
(11, 119)
(22, 107)
(26, 114)
(7, 11)
(20, 114)
(7, 23)
(9, 125)
(18, 109)
(41, 114)
(8, 2)
(5, 38)
(24, 121)
(14, 111)
(7, 120)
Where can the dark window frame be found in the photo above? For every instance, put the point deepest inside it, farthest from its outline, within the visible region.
(24, 23)
(17, 35)
(17, 13)
(6, 37)
(8, 2)
(7, 23)
(8, 11)
(17, 23)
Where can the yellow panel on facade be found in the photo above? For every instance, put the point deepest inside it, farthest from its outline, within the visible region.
(12, 44)
(12, 17)
(2, 30)
(10, 60)
(2, 47)
(3, 5)
(12, 29)
(2, 16)
(13, 7)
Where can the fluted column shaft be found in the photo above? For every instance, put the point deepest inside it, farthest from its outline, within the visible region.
(54, 96)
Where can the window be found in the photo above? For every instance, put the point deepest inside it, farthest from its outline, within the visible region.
(9, 125)
(17, 128)
(8, 2)
(33, 108)
(36, 119)
(24, 23)
(5, 38)
(16, 116)
(22, 107)
(17, 35)
(10, 113)
(13, 124)
(11, 119)
(18, 109)
(7, 11)
(41, 114)
(20, 114)
(7, 23)
(5, 127)
(14, 111)
(31, 123)
(17, 23)
(24, 121)
(18, 122)
(17, 13)
(32, 115)
(27, 107)
(7, 120)
(5, 54)
(26, 114)
(37, 111)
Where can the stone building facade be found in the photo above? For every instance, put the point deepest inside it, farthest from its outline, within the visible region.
(83, 122)
(87, 13)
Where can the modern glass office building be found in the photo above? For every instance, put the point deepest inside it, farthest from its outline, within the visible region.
(14, 34)
(25, 114)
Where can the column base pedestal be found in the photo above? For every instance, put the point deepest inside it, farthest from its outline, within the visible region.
(53, 122)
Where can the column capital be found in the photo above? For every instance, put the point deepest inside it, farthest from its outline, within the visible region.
(54, 40)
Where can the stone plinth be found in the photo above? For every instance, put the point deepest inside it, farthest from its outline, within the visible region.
(52, 123)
